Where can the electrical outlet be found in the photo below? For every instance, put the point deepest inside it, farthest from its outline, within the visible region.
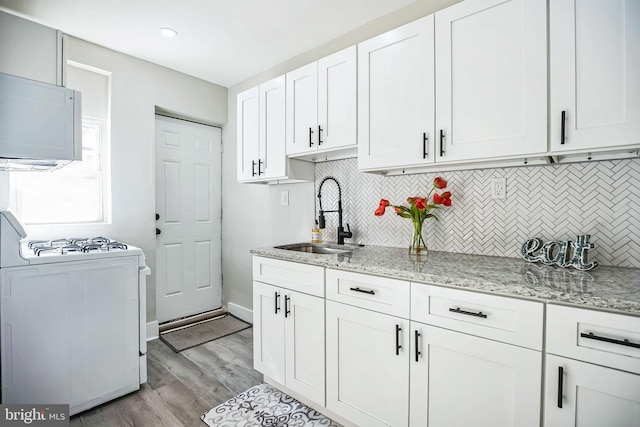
(499, 188)
(284, 198)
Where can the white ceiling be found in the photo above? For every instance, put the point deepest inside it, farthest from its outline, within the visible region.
(221, 41)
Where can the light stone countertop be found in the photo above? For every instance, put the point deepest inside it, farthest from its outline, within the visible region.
(608, 288)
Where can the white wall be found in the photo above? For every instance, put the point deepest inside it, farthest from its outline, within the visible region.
(138, 87)
(253, 216)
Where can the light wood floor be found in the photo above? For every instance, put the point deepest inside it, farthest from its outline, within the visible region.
(181, 386)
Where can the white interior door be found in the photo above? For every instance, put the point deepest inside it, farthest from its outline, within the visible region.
(188, 202)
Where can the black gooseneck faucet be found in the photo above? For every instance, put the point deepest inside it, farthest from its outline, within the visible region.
(321, 221)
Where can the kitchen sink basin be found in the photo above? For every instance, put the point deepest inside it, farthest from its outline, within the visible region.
(315, 249)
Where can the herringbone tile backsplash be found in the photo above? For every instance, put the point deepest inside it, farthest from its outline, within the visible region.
(550, 202)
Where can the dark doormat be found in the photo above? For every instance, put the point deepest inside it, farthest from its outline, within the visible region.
(202, 332)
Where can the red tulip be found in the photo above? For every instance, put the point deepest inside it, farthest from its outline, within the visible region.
(420, 202)
(398, 210)
(380, 210)
(384, 202)
(437, 199)
(439, 182)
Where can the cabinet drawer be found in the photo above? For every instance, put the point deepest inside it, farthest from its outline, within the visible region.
(509, 320)
(594, 336)
(305, 278)
(390, 296)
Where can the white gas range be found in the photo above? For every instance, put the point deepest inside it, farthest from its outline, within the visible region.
(72, 319)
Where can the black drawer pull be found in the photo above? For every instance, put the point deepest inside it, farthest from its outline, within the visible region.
(287, 312)
(253, 168)
(310, 133)
(320, 141)
(277, 301)
(364, 291)
(468, 313)
(398, 346)
(441, 142)
(425, 141)
(417, 337)
(625, 342)
(563, 119)
(560, 385)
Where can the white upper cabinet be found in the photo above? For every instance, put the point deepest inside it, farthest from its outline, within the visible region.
(248, 116)
(261, 137)
(31, 50)
(396, 97)
(272, 157)
(302, 109)
(321, 104)
(491, 79)
(594, 74)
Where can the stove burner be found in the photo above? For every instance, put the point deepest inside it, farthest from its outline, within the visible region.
(74, 245)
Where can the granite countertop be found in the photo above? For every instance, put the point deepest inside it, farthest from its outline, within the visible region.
(609, 288)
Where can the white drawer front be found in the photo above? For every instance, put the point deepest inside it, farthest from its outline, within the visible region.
(390, 296)
(594, 336)
(509, 320)
(308, 279)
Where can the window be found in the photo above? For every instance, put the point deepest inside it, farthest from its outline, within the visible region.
(79, 192)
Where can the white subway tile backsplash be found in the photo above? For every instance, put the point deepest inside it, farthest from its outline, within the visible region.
(551, 202)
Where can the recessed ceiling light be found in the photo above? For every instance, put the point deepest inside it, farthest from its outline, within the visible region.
(168, 32)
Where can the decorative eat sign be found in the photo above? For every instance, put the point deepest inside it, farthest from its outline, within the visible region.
(559, 252)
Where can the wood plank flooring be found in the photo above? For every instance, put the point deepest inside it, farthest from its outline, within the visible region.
(181, 386)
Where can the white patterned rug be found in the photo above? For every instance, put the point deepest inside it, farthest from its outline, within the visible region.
(264, 405)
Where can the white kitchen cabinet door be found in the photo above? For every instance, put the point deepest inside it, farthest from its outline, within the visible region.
(337, 96)
(458, 380)
(594, 55)
(302, 109)
(367, 373)
(288, 339)
(31, 50)
(586, 395)
(396, 97)
(491, 79)
(268, 331)
(304, 344)
(248, 140)
(272, 160)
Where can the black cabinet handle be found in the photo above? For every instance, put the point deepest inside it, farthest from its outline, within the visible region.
(562, 126)
(417, 341)
(364, 291)
(398, 346)
(157, 217)
(158, 231)
(287, 312)
(253, 168)
(260, 163)
(625, 342)
(310, 133)
(319, 135)
(441, 142)
(468, 313)
(277, 301)
(425, 141)
(560, 385)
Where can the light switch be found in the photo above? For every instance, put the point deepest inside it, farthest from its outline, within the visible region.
(284, 198)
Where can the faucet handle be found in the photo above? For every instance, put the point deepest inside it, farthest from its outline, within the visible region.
(348, 234)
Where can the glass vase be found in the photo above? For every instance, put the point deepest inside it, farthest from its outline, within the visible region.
(418, 245)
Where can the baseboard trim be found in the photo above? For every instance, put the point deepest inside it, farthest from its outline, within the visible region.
(240, 312)
(153, 331)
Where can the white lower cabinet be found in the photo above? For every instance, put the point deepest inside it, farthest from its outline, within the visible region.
(459, 380)
(592, 368)
(367, 366)
(289, 339)
(584, 395)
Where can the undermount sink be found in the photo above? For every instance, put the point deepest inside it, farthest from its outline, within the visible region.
(315, 249)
